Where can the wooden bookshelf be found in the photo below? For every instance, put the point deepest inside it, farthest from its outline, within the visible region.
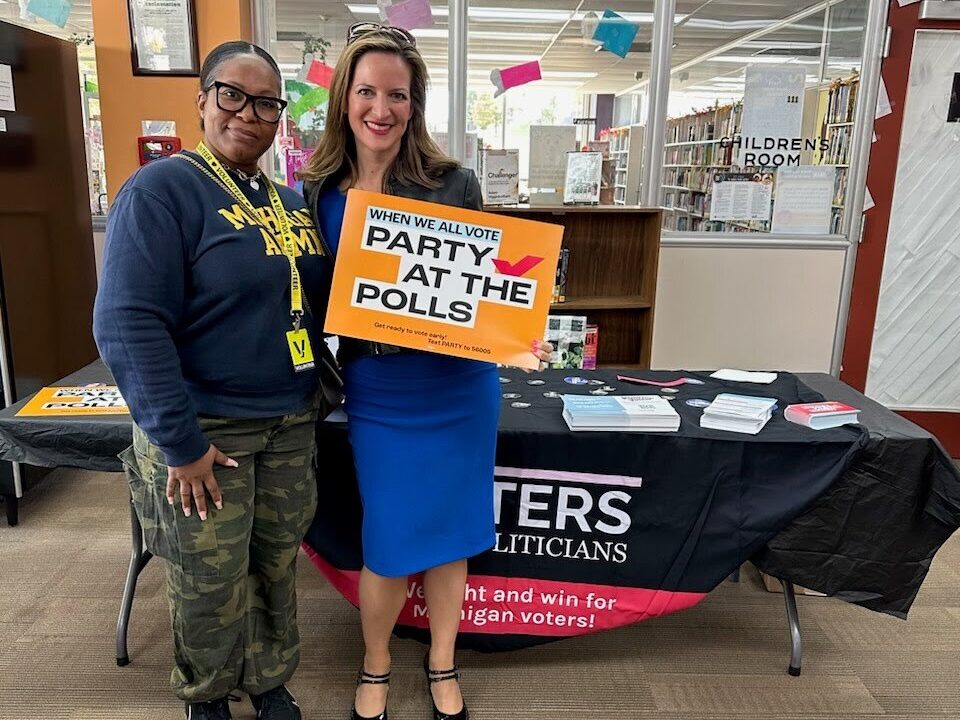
(626, 151)
(612, 273)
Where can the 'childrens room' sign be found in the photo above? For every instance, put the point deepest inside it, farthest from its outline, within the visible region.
(439, 278)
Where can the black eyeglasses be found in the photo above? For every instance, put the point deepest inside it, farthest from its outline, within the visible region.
(233, 99)
(360, 29)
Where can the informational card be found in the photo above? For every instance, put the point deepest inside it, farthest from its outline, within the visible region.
(741, 197)
(582, 181)
(549, 145)
(804, 200)
(83, 400)
(444, 279)
(772, 104)
(500, 177)
(7, 100)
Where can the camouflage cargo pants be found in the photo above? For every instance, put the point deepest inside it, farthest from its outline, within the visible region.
(231, 580)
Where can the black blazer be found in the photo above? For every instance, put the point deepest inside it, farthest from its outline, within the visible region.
(459, 187)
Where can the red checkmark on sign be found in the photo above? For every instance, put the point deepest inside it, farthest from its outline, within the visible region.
(519, 268)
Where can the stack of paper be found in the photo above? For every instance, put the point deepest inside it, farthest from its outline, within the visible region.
(634, 413)
(737, 413)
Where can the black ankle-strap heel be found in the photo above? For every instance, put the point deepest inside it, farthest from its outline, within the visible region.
(365, 678)
(435, 676)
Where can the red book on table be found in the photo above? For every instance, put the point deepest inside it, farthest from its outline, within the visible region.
(821, 415)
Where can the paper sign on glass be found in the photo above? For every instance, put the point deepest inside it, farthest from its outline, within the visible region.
(444, 279)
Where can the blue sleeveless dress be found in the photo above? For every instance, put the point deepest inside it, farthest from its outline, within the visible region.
(423, 428)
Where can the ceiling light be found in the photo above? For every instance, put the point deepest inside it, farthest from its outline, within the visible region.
(508, 14)
(766, 59)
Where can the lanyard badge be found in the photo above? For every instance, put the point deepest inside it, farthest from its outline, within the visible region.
(298, 342)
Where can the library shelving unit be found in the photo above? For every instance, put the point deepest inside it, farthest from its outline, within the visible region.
(611, 275)
(835, 121)
(626, 150)
(693, 154)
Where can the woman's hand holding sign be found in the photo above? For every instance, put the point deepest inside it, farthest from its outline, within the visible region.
(543, 351)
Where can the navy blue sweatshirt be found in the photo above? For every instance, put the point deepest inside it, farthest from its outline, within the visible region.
(193, 304)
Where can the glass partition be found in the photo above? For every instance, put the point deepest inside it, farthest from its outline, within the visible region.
(760, 116)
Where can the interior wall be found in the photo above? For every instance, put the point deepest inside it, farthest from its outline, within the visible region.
(750, 308)
(126, 99)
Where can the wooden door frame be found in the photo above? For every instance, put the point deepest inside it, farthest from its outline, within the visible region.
(881, 179)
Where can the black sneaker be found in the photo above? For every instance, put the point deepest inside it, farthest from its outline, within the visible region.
(276, 704)
(218, 709)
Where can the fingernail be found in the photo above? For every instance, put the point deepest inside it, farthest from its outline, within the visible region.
(233, 463)
(169, 501)
(186, 512)
(219, 504)
(203, 515)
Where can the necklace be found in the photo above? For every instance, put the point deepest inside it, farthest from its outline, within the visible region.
(252, 179)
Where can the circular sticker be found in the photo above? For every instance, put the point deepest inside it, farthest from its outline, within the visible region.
(511, 396)
(608, 388)
(536, 382)
(598, 391)
(670, 391)
(596, 382)
(697, 402)
(693, 381)
(504, 381)
(551, 394)
(574, 380)
(668, 397)
(520, 405)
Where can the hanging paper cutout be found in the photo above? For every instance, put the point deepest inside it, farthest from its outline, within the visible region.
(56, 11)
(506, 78)
(319, 73)
(409, 14)
(616, 33)
(304, 98)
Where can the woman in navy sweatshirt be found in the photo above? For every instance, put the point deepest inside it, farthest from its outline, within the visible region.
(209, 315)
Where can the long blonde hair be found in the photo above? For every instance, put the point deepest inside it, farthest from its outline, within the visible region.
(419, 162)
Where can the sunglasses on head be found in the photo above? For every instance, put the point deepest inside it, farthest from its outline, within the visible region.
(358, 30)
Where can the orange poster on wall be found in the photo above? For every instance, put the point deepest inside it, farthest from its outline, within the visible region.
(433, 277)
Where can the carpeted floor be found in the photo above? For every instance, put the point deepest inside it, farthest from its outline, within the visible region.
(62, 570)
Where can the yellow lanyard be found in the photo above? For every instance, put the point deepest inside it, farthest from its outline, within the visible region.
(289, 244)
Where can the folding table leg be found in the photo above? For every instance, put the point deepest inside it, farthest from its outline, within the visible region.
(12, 503)
(138, 561)
(793, 620)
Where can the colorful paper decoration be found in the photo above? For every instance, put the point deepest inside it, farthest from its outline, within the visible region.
(506, 78)
(616, 33)
(319, 73)
(410, 14)
(56, 11)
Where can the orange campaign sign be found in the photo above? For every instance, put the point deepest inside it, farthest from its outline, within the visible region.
(444, 279)
(75, 400)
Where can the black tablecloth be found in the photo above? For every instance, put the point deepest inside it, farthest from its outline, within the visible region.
(867, 537)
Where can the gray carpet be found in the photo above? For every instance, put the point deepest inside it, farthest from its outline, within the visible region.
(62, 570)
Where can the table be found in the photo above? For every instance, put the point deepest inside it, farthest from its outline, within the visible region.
(849, 477)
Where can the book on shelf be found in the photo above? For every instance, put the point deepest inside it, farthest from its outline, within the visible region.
(568, 334)
(560, 281)
(590, 348)
(632, 413)
(500, 177)
(738, 413)
(821, 415)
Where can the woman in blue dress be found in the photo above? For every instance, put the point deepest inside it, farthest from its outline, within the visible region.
(423, 426)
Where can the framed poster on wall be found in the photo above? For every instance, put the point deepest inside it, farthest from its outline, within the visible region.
(163, 37)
